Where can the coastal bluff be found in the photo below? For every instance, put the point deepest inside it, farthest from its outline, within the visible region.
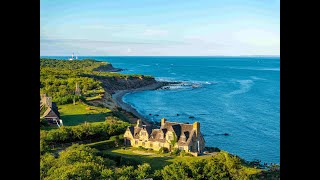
(112, 84)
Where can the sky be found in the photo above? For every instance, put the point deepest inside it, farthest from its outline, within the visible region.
(159, 27)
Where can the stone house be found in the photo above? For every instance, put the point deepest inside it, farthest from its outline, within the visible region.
(186, 136)
(50, 111)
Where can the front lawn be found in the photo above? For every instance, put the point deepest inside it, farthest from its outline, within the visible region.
(156, 160)
(72, 115)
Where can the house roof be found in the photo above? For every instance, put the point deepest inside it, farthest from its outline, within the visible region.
(135, 131)
(50, 113)
(184, 132)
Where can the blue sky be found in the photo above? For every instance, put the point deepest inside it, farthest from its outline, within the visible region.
(159, 27)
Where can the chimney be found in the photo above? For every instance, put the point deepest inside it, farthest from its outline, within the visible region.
(48, 102)
(196, 127)
(163, 121)
(139, 124)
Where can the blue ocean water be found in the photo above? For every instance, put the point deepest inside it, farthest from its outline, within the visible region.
(235, 95)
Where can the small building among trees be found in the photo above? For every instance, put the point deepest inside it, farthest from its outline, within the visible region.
(49, 111)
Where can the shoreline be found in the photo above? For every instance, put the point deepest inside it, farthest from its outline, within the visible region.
(118, 95)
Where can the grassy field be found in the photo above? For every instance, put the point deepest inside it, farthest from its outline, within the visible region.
(72, 115)
(157, 161)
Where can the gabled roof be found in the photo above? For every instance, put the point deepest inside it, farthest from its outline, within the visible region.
(181, 130)
(134, 131)
(148, 129)
(50, 113)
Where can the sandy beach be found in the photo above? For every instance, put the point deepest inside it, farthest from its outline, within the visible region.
(117, 97)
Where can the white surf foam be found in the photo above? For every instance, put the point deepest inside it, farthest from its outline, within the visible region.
(245, 86)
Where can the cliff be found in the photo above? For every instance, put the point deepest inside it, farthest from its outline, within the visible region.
(107, 68)
(112, 84)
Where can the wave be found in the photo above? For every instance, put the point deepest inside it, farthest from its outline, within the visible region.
(245, 86)
(257, 78)
(256, 69)
(166, 79)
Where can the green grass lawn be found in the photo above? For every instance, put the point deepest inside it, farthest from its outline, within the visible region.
(72, 115)
(156, 161)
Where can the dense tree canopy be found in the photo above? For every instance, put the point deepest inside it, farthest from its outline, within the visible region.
(58, 78)
(82, 162)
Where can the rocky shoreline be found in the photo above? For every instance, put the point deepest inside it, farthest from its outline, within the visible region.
(117, 87)
(118, 95)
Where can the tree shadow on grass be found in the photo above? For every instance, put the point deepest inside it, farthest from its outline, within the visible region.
(155, 162)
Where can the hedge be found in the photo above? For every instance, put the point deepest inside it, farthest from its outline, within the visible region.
(114, 141)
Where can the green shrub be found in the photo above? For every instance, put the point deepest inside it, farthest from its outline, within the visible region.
(142, 148)
(43, 122)
(176, 152)
(184, 153)
(103, 145)
(163, 150)
(85, 131)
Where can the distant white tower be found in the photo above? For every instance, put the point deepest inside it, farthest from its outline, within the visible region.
(72, 57)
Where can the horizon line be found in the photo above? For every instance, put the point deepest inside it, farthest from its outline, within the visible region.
(169, 55)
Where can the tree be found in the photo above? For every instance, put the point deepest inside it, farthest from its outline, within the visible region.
(78, 170)
(172, 142)
(143, 171)
(47, 161)
(175, 171)
(125, 172)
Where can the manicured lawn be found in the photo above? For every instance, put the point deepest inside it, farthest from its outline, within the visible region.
(157, 161)
(72, 115)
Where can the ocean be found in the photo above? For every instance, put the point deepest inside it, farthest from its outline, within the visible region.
(235, 95)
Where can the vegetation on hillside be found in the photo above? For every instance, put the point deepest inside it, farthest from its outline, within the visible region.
(58, 78)
(85, 131)
(100, 133)
(83, 162)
